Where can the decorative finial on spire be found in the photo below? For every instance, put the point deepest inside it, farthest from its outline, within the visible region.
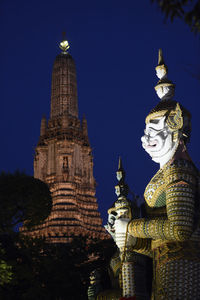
(64, 45)
(165, 87)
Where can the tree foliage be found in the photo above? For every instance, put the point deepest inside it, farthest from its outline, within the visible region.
(23, 198)
(43, 271)
(186, 10)
(5, 269)
(48, 271)
(31, 268)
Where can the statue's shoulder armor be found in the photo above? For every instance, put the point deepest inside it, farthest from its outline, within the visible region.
(181, 170)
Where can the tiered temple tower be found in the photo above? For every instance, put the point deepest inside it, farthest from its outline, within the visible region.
(63, 159)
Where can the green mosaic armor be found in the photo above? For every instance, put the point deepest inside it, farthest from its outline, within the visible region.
(170, 233)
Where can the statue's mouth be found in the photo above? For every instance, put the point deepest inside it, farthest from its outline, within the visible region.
(151, 144)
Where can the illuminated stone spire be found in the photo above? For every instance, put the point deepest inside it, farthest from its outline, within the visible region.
(64, 85)
(63, 159)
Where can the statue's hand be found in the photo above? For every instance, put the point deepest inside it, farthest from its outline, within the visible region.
(120, 227)
(110, 230)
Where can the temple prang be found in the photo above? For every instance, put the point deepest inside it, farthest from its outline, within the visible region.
(63, 159)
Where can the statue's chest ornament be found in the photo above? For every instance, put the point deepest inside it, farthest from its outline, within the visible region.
(155, 191)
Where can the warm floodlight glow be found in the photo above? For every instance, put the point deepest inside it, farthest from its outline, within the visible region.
(64, 46)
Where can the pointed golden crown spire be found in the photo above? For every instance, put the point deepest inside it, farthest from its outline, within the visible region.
(64, 45)
(120, 172)
(120, 163)
(161, 67)
(160, 57)
(165, 87)
(121, 190)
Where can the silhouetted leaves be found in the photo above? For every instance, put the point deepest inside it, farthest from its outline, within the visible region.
(48, 271)
(187, 10)
(22, 198)
(31, 268)
(5, 269)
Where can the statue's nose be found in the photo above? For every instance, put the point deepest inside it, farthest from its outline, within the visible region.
(144, 138)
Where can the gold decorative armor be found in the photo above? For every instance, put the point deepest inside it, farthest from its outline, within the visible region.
(170, 233)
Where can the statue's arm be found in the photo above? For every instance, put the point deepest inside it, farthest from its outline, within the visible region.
(143, 246)
(180, 204)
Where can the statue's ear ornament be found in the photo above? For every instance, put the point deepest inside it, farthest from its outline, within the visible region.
(175, 119)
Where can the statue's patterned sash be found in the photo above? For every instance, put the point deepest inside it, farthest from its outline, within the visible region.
(155, 191)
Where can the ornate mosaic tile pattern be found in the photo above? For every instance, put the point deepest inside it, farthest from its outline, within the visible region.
(186, 285)
(172, 237)
(174, 186)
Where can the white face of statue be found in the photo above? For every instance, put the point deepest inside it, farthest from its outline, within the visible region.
(157, 141)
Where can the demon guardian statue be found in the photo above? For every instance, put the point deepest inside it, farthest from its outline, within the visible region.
(170, 233)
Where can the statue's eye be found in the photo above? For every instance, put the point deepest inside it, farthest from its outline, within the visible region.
(151, 131)
(165, 132)
(155, 121)
(148, 131)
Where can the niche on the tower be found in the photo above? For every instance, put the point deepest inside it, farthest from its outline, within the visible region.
(65, 167)
(65, 164)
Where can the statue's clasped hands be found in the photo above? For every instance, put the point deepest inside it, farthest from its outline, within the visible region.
(122, 237)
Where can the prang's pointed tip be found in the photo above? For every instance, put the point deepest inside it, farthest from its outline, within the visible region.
(64, 45)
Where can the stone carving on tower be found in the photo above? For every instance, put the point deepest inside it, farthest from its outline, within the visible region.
(63, 159)
(170, 233)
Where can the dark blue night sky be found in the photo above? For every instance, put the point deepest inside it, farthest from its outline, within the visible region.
(115, 46)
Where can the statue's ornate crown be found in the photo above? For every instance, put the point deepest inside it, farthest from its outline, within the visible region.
(177, 116)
